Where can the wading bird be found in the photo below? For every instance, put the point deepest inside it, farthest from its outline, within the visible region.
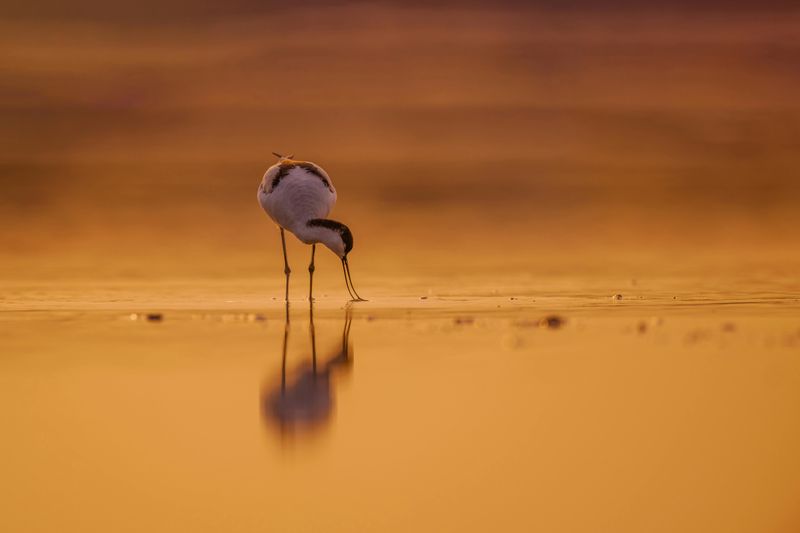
(298, 195)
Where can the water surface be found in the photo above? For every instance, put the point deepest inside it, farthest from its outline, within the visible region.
(442, 410)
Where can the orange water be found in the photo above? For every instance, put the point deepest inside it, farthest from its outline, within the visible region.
(674, 408)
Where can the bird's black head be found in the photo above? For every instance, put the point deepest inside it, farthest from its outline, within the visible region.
(343, 232)
(339, 239)
(347, 239)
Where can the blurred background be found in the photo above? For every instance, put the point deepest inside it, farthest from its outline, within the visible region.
(134, 135)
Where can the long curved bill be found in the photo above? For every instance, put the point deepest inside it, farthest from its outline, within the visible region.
(348, 281)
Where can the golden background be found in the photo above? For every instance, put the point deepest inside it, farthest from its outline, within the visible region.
(143, 131)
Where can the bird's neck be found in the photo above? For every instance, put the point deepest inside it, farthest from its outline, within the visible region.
(311, 234)
(308, 234)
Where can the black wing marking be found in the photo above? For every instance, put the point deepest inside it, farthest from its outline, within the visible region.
(283, 170)
(285, 167)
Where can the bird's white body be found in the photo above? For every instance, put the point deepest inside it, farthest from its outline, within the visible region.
(294, 192)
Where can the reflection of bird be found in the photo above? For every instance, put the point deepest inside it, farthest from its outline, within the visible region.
(306, 402)
(298, 195)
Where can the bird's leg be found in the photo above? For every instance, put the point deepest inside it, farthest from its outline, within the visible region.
(311, 275)
(286, 269)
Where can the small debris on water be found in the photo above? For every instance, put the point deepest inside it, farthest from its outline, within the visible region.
(642, 327)
(551, 322)
(134, 316)
(154, 317)
(463, 320)
(423, 297)
(513, 298)
(617, 297)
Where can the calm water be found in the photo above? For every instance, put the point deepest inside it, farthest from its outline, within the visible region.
(429, 409)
